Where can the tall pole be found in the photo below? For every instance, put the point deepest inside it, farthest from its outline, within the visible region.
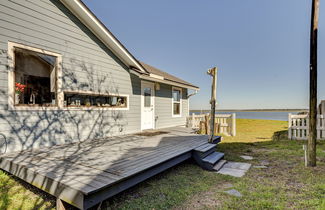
(213, 72)
(311, 146)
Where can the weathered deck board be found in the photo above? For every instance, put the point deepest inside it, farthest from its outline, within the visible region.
(96, 166)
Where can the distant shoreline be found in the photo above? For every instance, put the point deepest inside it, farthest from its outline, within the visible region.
(253, 110)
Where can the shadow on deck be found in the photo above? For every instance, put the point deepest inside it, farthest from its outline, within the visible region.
(85, 173)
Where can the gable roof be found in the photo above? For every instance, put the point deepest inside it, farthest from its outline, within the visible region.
(89, 19)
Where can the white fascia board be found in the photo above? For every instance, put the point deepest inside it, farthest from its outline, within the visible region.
(156, 76)
(92, 23)
(176, 84)
(153, 79)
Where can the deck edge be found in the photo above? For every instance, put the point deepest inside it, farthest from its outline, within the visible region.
(55, 188)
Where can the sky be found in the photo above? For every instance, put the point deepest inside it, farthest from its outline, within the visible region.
(261, 47)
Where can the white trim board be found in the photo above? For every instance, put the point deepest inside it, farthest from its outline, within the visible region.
(162, 80)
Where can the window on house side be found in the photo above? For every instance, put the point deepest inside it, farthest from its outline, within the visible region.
(35, 82)
(75, 99)
(177, 95)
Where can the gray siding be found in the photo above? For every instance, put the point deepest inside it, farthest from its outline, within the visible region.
(87, 65)
(163, 108)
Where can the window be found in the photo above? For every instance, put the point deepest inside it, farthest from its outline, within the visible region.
(33, 77)
(77, 99)
(177, 102)
(147, 97)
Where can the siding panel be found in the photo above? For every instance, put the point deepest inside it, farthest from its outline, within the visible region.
(49, 25)
(163, 110)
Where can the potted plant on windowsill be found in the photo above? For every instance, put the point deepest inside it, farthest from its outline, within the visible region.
(19, 88)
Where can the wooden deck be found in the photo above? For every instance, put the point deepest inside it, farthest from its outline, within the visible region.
(86, 173)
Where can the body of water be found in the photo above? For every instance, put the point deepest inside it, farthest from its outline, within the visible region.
(257, 115)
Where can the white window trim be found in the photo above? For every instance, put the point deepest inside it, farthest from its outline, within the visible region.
(180, 102)
(11, 77)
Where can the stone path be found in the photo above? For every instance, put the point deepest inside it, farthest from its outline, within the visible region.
(236, 169)
(263, 164)
(260, 167)
(246, 157)
(233, 192)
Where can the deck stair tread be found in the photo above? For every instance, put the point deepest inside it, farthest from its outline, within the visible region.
(213, 157)
(219, 165)
(205, 147)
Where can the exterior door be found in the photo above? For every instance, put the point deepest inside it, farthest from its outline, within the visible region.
(147, 96)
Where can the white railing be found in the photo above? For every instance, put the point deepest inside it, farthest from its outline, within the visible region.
(226, 123)
(298, 127)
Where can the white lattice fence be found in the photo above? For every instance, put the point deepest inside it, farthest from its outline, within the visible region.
(298, 126)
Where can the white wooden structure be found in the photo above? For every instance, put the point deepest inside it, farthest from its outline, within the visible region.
(298, 126)
(226, 123)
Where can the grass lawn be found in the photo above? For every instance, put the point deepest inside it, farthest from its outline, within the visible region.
(286, 183)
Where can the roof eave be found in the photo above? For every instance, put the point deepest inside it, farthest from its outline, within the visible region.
(164, 80)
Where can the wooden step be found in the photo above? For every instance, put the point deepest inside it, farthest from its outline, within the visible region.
(205, 147)
(219, 165)
(204, 150)
(213, 158)
(217, 139)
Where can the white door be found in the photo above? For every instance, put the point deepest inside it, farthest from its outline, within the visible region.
(147, 95)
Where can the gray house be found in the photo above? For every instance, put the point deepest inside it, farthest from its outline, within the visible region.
(64, 77)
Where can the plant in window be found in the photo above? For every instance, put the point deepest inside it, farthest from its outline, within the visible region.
(19, 88)
(38, 72)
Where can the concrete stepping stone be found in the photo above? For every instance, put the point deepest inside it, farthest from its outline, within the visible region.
(246, 157)
(238, 165)
(235, 169)
(233, 192)
(260, 167)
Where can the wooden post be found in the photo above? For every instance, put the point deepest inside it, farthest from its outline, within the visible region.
(233, 124)
(213, 72)
(206, 124)
(289, 127)
(193, 120)
(216, 127)
(311, 146)
(202, 126)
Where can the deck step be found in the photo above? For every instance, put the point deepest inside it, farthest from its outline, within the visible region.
(204, 150)
(219, 165)
(206, 156)
(213, 158)
(205, 147)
